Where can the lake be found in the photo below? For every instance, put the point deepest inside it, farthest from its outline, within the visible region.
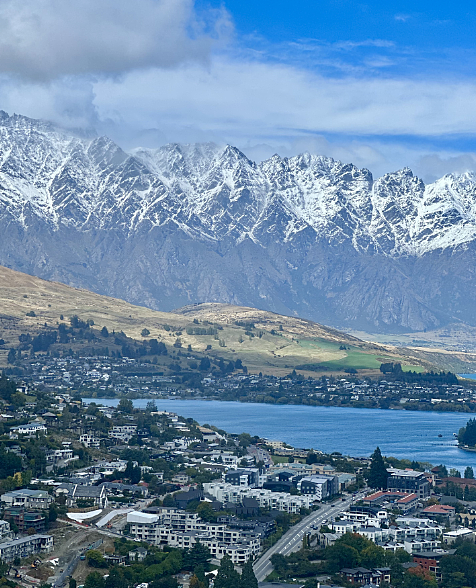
(351, 431)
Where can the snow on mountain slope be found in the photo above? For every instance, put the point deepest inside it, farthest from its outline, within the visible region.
(216, 193)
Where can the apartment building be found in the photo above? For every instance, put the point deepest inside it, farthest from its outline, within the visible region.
(320, 486)
(408, 482)
(180, 529)
(25, 546)
(281, 501)
(25, 519)
(245, 478)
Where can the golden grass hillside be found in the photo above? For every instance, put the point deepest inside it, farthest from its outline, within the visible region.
(264, 341)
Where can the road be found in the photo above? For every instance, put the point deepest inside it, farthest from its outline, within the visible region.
(292, 539)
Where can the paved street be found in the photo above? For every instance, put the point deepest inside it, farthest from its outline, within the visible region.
(292, 540)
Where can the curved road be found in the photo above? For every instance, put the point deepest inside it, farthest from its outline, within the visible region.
(292, 539)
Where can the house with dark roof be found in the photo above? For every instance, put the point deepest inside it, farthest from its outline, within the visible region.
(183, 499)
(74, 492)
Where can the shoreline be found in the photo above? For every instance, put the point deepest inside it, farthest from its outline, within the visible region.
(212, 399)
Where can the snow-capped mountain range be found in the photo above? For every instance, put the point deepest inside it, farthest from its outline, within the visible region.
(194, 223)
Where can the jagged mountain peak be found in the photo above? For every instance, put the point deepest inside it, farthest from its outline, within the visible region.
(183, 223)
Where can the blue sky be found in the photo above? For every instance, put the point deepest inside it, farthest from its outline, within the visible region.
(380, 84)
(338, 37)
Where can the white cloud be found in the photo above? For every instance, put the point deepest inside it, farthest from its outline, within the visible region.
(157, 79)
(46, 39)
(238, 99)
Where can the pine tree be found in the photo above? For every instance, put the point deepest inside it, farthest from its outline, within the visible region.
(227, 577)
(248, 578)
(469, 473)
(377, 476)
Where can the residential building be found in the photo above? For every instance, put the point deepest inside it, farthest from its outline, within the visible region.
(266, 498)
(55, 456)
(362, 576)
(439, 511)
(451, 536)
(245, 477)
(97, 495)
(122, 432)
(320, 486)
(138, 554)
(31, 499)
(25, 519)
(181, 529)
(89, 440)
(25, 546)
(408, 482)
(31, 430)
(406, 502)
(5, 531)
(430, 561)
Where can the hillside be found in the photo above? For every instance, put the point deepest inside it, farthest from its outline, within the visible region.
(264, 341)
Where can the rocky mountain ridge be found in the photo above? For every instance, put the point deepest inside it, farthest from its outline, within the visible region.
(304, 235)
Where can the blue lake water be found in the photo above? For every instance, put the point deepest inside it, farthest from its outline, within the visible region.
(352, 431)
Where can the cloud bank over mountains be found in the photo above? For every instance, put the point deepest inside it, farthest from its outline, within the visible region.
(157, 71)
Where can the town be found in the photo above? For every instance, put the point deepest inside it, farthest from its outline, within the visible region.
(87, 487)
(106, 377)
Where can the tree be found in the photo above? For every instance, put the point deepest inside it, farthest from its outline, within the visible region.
(72, 583)
(132, 472)
(467, 435)
(458, 564)
(116, 579)
(151, 406)
(280, 563)
(195, 582)
(95, 559)
(341, 555)
(198, 555)
(248, 578)
(168, 500)
(311, 458)
(204, 364)
(94, 580)
(104, 332)
(52, 513)
(125, 405)
(145, 332)
(377, 475)
(469, 473)
(227, 576)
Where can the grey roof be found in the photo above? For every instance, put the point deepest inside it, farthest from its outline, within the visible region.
(27, 492)
(22, 540)
(82, 491)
